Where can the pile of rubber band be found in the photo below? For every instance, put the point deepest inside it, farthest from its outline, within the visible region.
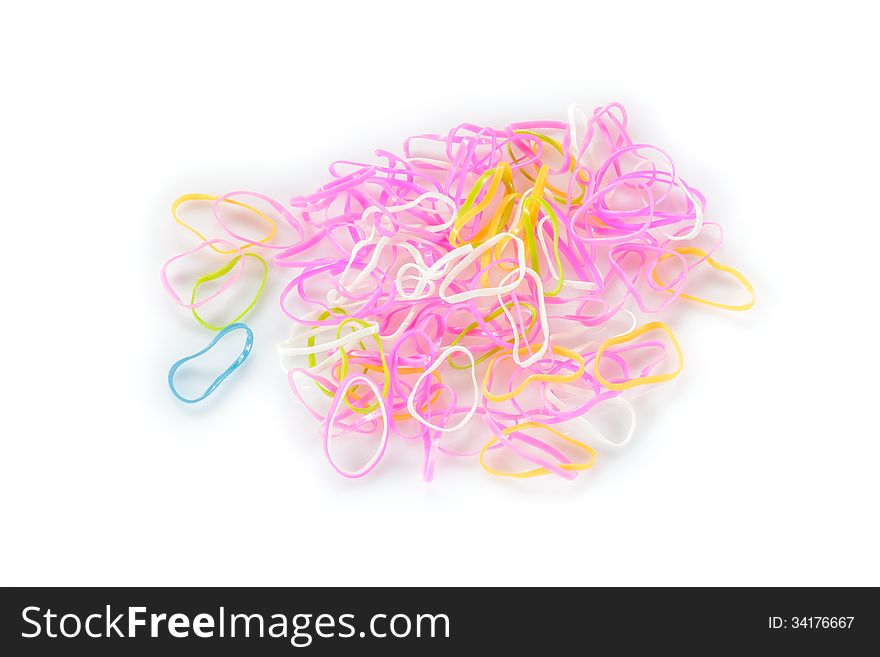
(472, 285)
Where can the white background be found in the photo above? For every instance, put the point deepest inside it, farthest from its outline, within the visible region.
(757, 466)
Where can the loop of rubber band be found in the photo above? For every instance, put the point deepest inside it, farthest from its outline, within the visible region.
(290, 348)
(715, 265)
(569, 469)
(216, 199)
(219, 274)
(245, 352)
(644, 380)
(331, 419)
(542, 318)
(591, 429)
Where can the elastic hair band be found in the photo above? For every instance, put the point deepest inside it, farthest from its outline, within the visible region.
(331, 420)
(545, 469)
(209, 197)
(245, 352)
(219, 274)
(716, 265)
(644, 380)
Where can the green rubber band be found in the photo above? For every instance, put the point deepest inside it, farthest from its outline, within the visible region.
(554, 221)
(343, 371)
(225, 269)
(529, 237)
(366, 410)
(478, 187)
(311, 343)
(475, 190)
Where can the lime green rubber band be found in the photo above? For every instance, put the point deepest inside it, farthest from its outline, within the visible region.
(225, 269)
(311, 342)
(343, 357)
(386, 386)
(554, 221)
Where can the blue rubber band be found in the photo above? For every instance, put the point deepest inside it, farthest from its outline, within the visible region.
(245, 352)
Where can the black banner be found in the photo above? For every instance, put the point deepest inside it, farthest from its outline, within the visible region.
(430, 621)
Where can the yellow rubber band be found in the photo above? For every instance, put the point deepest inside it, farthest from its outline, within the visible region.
(208, 197)
(529, 216)
(645, 380)
(690, 250)
(537, 472)
(498, 221)
(493, 178)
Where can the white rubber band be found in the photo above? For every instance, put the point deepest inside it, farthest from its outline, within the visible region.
(542, 317)
(698, 215)
(470, 258)
(590, 428)
(394, 209)
(427, 275)
(574, 113)
(292, 346)
(383, 441)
